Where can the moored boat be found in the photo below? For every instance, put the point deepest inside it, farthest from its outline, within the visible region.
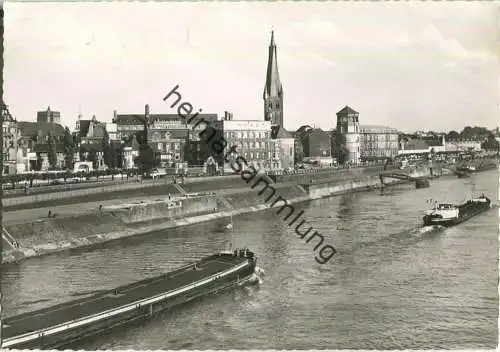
(67, 323)
(446, 214)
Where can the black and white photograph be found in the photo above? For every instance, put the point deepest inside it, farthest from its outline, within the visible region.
(253, 175)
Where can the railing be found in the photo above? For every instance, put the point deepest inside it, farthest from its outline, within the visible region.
(112, 312)
(9, 239)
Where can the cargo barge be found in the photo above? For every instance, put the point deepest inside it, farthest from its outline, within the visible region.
(67, 323)
(445, 214)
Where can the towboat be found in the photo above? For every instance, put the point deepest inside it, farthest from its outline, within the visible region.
(446, 214)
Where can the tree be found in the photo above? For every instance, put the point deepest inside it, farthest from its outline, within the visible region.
(109, 152)
(146, 160)
(69, 148)
(490, 143)
(452, 136)
(341, 149)
(92, 156)
(51, 152)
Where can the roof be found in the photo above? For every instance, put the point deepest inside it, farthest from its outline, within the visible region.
(44, 147)
(91, 147)
(347, 110)
(416, 144)
(303, 128)
(99, 129)
(318, 131)
(172, 134)
(30, 129)
(377, 129)
(434, 142)
(138, 119)
(278, 132)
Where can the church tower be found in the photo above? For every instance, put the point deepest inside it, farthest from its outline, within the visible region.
(273, 91)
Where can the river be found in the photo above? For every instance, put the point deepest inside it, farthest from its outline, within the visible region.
(391, 284)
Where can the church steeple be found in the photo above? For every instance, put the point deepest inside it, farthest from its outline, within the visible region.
(273, 91)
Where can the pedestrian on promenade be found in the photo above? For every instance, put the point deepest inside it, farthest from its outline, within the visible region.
(50, 213)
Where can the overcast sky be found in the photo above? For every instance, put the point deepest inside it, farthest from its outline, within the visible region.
(409, 65)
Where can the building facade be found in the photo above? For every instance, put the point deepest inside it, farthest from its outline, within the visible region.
(38, 141)
(10, 142)
(316, 146)
(90, 139)
(348, 137)
(463, 145)
(172, 139)
(282, 149)
(273, 90)
(251, 137)
(378, 142)
(48, 116)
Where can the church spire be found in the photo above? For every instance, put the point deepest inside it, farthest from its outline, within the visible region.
(273, 91)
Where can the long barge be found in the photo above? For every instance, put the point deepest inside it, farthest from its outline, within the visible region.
(67, 323)
(446, 214)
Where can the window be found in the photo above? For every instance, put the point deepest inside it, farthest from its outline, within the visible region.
(256, 155)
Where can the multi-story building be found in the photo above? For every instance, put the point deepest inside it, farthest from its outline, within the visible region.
(170, 136)
(91, 136)
(422, 146)
(273, 90)
(463, 145)
(347, 138)
(10, 142)
(252, 140)
(37, 140)
(378, 142)
(112, 130)
(200, 148)
(48, 116)
(282, 148)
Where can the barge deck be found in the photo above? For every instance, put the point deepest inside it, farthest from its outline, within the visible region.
(207, 275)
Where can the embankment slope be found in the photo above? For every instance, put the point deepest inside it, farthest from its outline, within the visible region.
(52, 235)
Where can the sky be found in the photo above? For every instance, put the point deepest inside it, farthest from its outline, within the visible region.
(407, 65)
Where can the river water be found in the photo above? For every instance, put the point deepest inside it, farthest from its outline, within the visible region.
(392, 285)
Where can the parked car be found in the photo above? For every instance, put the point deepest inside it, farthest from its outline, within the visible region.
(158, 173)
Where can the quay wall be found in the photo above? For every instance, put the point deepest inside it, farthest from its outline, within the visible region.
(54, 235)
(177, 207)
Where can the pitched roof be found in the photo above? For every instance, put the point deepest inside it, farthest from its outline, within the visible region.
(273, 85)
(278, 132)
(347, 110)
(30, 129)
(98, 130)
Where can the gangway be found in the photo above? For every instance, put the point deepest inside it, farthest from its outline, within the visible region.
(9, 239)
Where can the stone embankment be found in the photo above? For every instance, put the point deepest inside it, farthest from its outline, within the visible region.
(224, 199)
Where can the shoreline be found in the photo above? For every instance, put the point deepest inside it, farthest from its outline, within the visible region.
(227, 210)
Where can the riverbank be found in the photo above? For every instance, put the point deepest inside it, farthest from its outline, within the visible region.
(45, 236)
